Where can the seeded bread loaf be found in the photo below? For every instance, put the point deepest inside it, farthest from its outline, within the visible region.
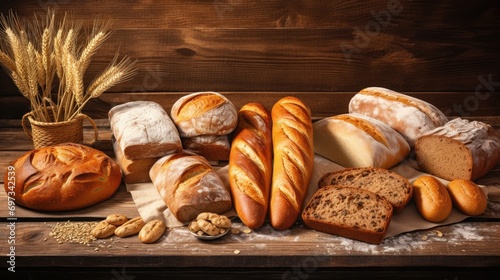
(349, 212)
(390, 185)
(460, 149)
(355, 140)
(409, 116)
(143, 130)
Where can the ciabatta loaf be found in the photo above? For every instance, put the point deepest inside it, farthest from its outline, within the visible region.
(349, 212)
(393, 187)
(204, 113)
(355, 140)
(408, 115)
(293, 160)
(250, 164)
(189, 186)
(460, 149)
(143, 130)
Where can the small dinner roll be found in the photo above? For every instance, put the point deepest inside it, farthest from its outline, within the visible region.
(468, 197)
(432, 199)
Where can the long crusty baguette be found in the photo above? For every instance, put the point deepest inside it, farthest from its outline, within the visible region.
(250, 164)
(293, 160)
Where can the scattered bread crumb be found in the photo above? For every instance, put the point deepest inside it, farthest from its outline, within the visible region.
(438, 233)
(424, 237)
(236, 251)
(247, 230)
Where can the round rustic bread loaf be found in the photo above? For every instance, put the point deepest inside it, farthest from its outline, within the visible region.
(62, 177)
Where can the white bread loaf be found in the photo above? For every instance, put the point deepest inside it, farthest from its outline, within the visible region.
(409, 116)
(460, 149)
(354, 140)
(250, 165)
(349, 212)
(293, 160)
(134, 170)
(143, 130)
(189, 186)
(211, 147)
(204, 113)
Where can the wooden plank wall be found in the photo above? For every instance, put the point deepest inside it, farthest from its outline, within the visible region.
(445, 52)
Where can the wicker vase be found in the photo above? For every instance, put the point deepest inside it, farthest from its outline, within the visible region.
(52, 133)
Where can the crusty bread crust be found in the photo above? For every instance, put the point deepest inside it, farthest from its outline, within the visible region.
(63, 177)
(250, 165)
(407, 115)
(293, 160)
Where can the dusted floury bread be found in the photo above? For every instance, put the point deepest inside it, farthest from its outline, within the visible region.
(204, 113)
(143, 130)
(134, 170)
(189, 186)
(393, 187)
(250, 165)
(355, 140)
(62, 177)
(293, 160)
(211, 147)
(460, 149)
(407, 115)
(349, 212)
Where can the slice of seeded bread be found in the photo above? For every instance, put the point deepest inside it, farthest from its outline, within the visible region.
(388, 184)
(349, 212)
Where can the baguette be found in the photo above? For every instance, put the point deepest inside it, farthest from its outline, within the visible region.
(250, 165)
(293, 160)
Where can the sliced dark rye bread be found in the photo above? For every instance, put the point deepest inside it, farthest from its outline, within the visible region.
(349, 212)
(388, 184)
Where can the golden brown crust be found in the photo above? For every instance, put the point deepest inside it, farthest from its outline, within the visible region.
(293, 160)
(250, 164)
(432, 199)
(63, 177)
(468, 197)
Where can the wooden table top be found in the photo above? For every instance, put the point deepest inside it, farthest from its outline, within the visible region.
(461, 249)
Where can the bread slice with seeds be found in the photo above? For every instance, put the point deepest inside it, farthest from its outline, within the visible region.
(386, 183)
(349, 212)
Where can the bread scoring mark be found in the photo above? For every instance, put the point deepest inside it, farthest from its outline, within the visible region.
(250, 153)
(366, 127)
(195, 105)
(246, 185)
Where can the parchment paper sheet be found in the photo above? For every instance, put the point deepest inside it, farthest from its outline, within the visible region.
(151, 206)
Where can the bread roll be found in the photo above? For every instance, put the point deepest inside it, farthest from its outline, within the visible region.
(409, 116)
(189, 186)
(350, 212)
(211, 147)
(293, 160)
(143, 130)
(62, 177)
(250, 165)
(204, 113)
(432, 199)
(468, 197)
(354, 140)
(460, 149)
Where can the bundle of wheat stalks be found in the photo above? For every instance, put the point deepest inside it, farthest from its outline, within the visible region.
(33, 53)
